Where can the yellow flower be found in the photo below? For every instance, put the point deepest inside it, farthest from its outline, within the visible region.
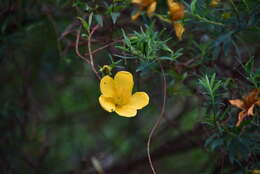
(117, 95)
(179, 30)
(247, 105)
(149, 5)
(214, 3)
(176, 12)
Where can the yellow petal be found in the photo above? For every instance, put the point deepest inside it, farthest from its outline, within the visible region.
(107, 87)
(251, 110)
(179, 30)
(138, 100)
(107, 103)
(151, 8)
(126, 111)
(124, 83)
(173, 6)
(238, 103)
(135, 16)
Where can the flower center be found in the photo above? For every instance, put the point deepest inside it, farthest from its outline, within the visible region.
(121, 100)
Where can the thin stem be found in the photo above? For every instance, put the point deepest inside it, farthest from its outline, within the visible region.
(234, 7)
(158, 121)
(206, 20)
(162, 18)
(90, 52)
(77, 47)
(103, 47)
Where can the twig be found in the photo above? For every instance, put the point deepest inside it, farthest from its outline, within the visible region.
(90, 52)
(77, 47)
(158, 121)
(103, 47)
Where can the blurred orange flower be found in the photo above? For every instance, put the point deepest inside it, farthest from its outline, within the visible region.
(149, 5)
(176, 12)
(179, 29)
(247, 105)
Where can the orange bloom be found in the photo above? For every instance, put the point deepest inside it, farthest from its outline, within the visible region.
(176, 12)
(179, 30)
(149, 5)
(247, 105)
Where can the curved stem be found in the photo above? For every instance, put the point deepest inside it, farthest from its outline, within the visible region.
(158, 121)
(77, 47)
(90, 52)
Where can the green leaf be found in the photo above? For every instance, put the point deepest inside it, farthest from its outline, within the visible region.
(167, 58)
(125, 57)
(216, 143)
(99, 20)
(90, 20)
(144, 66)
(193, 6)
(84, 23)
(223, 38)
(210, 139)
(114, 16)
